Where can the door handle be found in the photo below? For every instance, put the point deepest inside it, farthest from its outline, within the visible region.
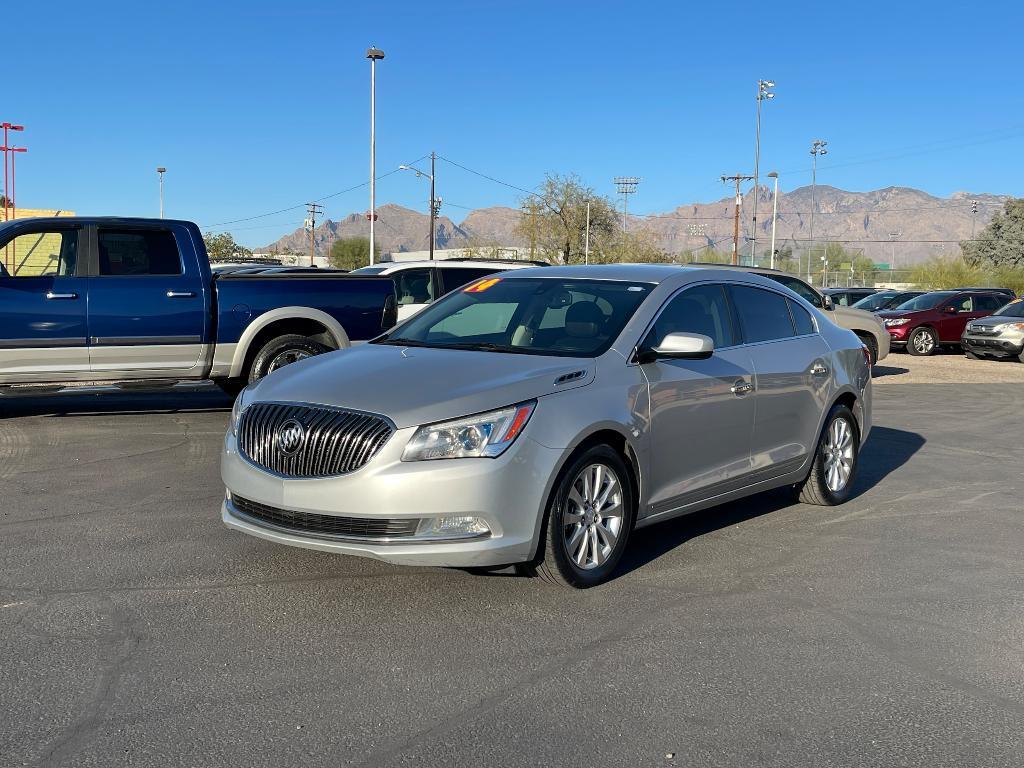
(818, 370)
(180, 295)
(741, 388)
(52, 295)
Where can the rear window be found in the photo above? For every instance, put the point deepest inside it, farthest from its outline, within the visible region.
(764, 315)
(138, 252)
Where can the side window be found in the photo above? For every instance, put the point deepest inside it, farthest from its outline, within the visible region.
(415, 286)
(841, 299)
(702, 309)
(763, 314)
(800, 288)
(456, 277)
(52, 253)
(127, 252)
(986, 303)
(801, 319)
(963, 304)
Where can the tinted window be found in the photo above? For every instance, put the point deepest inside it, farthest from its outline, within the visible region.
(702, 309)
(537, 316)
(455, 277)
(877, 300)
(763, 314)
(987, 303)
(1013, 309)
(801, 319)
(800, 288)
(962, 304)
(138, 252)
(42, 254)
(927, 301)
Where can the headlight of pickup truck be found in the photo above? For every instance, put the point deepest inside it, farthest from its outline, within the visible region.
(892, 321)
(485, 435)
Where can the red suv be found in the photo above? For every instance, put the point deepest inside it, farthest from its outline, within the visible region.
(925, 323)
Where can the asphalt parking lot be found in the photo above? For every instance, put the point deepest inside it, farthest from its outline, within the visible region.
(136, 631)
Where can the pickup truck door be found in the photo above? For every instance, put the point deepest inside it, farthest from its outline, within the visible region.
(42, 304)
(148, 308)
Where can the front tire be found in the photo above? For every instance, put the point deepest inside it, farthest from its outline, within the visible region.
(282, 351)
(588, 521)
(834, 469)
(922, 342)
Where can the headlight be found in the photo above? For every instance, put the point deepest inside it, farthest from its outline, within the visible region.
(1009, 327)
(485, 435)
(891, 321)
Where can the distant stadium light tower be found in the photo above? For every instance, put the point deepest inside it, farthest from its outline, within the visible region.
(626, 186)
(763, 93)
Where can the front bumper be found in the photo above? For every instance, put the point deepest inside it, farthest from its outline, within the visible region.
(898, 335)
(992, 345)
(508, 492)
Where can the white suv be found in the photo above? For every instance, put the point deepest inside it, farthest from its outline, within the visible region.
(419, 283)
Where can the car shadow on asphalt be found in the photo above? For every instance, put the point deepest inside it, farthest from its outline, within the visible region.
(887, 370)
(119, 402)
(886, 450)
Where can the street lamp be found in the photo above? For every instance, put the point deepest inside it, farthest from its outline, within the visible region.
(775, 213)
(7, 190)
(161, 171)
(435, 203)
(374, 55)
(762, 94)
(817, 148)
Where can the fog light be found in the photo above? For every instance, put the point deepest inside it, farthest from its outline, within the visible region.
(453, 527)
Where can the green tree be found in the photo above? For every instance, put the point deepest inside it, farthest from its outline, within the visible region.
(223, 247)
(352, 252)
(554, 220)
(1001, 243)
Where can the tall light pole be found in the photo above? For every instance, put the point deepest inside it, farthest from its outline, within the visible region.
(775, 214)
(435, 202)
(893, 237)
(762, 94)
(817, 148)
(626, 186)
(586, 238)
(374, 55)
(161, 171)
(7, 189)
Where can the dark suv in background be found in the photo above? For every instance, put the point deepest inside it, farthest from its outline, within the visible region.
(938, 318)
(883, 300)
(847, 297)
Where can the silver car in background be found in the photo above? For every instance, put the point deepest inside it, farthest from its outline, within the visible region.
(1000, 335)
(537, 417)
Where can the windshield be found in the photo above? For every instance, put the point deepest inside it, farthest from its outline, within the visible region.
(535, 316)
(1014, 309)
(876, 300)
(927, 301)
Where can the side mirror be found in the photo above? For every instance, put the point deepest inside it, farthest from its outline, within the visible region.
(950, 310)
(827, 303)
(679, 346)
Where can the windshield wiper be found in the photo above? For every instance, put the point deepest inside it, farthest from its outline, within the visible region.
(486, 346)
(400, 342)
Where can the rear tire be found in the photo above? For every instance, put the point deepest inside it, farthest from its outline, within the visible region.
(588, 521)
(922, 342)
(834, 469)
(282, 351)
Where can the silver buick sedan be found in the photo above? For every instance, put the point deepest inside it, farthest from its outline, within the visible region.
(537, 417)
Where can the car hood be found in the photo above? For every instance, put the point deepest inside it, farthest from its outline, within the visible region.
(991, 321)
(848, 317)
(420, 385)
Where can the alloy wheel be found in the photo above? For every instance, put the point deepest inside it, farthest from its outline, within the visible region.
(837, 452)
(287, 357)
(593, 516)
(924, 342)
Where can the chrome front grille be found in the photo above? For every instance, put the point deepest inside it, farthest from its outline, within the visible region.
(983, 330)
(331, 441)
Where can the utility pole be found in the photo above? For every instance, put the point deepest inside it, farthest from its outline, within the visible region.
(374, 55)
(161, 171)
(738, 179)
(530, 209)
(435, 204)
(817, 148)
(586, 238)
(626, 186)
(974, 214)
(762, 94)
(8, 195)
(312, 209)
(893, 237)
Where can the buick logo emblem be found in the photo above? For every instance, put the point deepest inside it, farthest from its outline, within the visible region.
(290, 437)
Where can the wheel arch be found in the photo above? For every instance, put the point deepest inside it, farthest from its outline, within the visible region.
(305, 321)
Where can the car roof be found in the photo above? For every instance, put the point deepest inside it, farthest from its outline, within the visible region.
(498, 264)
(679, 274)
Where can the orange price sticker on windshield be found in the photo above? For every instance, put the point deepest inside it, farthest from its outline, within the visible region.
(482, 286)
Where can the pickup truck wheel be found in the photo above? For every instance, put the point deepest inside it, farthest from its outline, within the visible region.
(922, 342)
(282, 351)
(869, 341)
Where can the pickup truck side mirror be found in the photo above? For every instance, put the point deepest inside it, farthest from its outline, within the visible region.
(679, 346)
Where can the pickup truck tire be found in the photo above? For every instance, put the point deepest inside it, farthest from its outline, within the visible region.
(282, 351)
(871, 343)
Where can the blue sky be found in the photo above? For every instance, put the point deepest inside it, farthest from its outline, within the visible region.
(259, 106)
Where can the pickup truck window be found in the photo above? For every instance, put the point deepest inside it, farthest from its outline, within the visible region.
(42, 254)
(415, 286)
(138, 252)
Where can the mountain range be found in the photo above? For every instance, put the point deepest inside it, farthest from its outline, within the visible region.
(896, 223)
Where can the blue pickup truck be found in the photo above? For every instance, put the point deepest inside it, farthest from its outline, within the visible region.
(119, 299)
